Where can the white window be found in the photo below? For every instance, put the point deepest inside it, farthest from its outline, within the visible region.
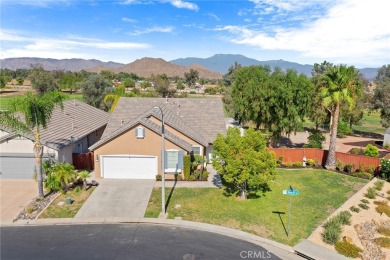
(197, 150)
(140, 132)
(173, 161)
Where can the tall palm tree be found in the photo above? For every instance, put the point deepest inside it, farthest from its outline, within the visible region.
(341, 85)
(29, 114)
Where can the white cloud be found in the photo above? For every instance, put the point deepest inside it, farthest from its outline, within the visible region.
(353, 31)
(183, 4)
(66, 46)
(128, 20)
(159, 29)
(38, 3)
(212, 15)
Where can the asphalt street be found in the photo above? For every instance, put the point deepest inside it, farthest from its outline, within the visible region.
(122, 241)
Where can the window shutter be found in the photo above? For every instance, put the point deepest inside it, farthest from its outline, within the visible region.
(180, 159)
(143, 132)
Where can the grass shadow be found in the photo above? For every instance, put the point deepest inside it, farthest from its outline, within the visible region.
(281, 220)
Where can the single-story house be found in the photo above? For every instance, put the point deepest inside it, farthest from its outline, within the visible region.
(131, 144)
(70, 130)
(386, 139)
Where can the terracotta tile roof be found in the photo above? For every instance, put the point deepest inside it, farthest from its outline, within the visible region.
(77, 119)
(201, 119)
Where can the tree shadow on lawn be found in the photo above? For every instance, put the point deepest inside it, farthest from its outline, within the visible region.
(231, 189)
(281, 220)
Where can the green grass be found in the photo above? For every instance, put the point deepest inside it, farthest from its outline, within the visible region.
(5, 100)
(78, 196)
(321, 193)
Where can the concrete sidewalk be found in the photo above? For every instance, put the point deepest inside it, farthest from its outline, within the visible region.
(280, 250)
(213, 181)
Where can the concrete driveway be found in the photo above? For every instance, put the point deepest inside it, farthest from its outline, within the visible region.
(117, 198)
(15, 195)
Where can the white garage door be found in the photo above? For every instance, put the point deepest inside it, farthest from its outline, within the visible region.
(129, 167)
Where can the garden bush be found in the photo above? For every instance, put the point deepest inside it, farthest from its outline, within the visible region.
(356, 151)
(339, 165)
(362, 175)
(298, 164)
(343, 129)
(379, 185)
(383, 209)
(371, 193)
(383, 242)
(384, 231)
(350, 167)
(363, 206)
(371, 151)
(288, 164)
(369, 168)
(280, 160)
(347, 249)
(365, 201)
(187, 166)
(331, 234)
(385, 169)
(344, 218)
(158, 177)
(354, 209)
(59, 176)
(380, 202)
(311, 162)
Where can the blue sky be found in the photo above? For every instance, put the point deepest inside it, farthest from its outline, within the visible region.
(353, 32)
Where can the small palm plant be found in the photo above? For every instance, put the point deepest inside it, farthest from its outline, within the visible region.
(83, 175)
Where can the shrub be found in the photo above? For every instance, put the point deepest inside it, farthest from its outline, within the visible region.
(385, 169)
(365, 201)
(362, 175)
(332, 222)
(311, 162)
(350, 167)
(379, 184)
(354, 209)
(315, 139)
(192, 92)
(383, 209)
(298, 164)
(205, 175)
(371, 193)
(347, 249)
(29, 209)
(371, 151)
(344, 218)
(343, 129)
(288, 164)
(59, 175)
(356, 151)
(339, 165)
(331, 234)
(370, 169)
(158, 177)
(187, 166)
(280, 160)
(384, 231)
(380, 202)
(363, 206)
(383, 242)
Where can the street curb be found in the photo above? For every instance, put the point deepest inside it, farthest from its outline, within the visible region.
(284, 251)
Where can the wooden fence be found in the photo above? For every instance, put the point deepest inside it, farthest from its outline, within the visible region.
(293, 155)
(83, 161)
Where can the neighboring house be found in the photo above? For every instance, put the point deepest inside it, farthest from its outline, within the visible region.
(386, 139)
(71, 130)
(130, 147)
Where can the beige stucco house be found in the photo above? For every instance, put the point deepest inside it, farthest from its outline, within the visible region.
(70, 130)
(130, 147)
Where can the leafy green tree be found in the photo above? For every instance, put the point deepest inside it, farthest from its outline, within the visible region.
(228, 78)
(276, 102)
(341, 85)
(69, 82)
(19, 80)
(128, 83)
(94, 89)
(36, 111)
(381, 98)
(161, 85)
(244, 162)
(145, 84)
(180, 85)
(107, 74)
(315, 139)
(42, 81)
(3, 81)
(191, 77)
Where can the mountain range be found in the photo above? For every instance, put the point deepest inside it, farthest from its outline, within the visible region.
(213, 67)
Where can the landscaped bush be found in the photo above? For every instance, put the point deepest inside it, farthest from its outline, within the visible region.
(383, 242)
(315, 139)
(344, 218)
(385, 169)
(347, 249)
(356, 151)
(383, 209)
(339, 165)
(311, 162)
(371, 193)
(371, 151)
(343, 129)
(363, 206)
(369, 168)
(379, 184)
(158, 177)
(187, 166)
(365, 201)
(59, 176)
(331, 233)
(384, 231)
(354, 209)
(362, 175)
(350, 167)
(380, 202)
(280, 160)
(288, 164)
(298, 164)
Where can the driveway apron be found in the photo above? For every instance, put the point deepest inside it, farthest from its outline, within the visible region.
(118, 198)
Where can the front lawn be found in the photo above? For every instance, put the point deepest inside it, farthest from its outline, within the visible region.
(78, 197)
(321, 192)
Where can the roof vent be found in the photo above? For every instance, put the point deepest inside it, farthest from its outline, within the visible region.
(122, 121)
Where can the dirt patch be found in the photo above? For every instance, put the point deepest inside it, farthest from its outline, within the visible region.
(258, 230)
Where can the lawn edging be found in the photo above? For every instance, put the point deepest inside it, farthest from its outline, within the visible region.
(281, 250)
(344, 206)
